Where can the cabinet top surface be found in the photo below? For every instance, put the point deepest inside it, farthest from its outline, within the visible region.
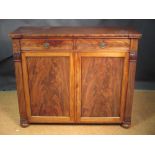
(45, 32)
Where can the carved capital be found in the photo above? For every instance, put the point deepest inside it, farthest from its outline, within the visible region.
(16, 56)
(133, 56)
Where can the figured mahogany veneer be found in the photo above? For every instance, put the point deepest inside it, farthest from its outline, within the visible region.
(108, 44)
(46, 44)
(53, 90)
(106, 102)
(75, 74)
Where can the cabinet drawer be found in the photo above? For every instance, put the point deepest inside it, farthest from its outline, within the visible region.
(46, 44)
(103, 44)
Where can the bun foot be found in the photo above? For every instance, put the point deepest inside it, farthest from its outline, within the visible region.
(126, 125)
(24, 123)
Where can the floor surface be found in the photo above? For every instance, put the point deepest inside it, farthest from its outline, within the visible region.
(143, 119)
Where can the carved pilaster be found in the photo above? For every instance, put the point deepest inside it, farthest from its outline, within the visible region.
(19, 83)
(131, 78)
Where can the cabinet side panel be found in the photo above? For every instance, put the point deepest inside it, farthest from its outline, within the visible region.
(101, 86)
(131, 81)
(19, 82)
(49, 85)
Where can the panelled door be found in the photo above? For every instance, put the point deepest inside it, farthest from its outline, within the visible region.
(49, 86)
(101, 86)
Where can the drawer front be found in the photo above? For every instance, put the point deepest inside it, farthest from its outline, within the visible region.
(43, 44)
(103, 44)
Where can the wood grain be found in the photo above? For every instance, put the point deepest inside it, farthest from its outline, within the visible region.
(101, 86)
(110, 44)
(38, 44)
(130, 90)
(89, 32)
(101, 80)
(74, 79)
(100, 120)
(49, 85)
(19, 85)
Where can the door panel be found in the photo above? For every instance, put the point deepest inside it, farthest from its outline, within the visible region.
(101, 86)
(49, 77)
(100, 98)
(49, 86)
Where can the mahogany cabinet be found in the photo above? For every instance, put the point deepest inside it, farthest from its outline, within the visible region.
(75, 74)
